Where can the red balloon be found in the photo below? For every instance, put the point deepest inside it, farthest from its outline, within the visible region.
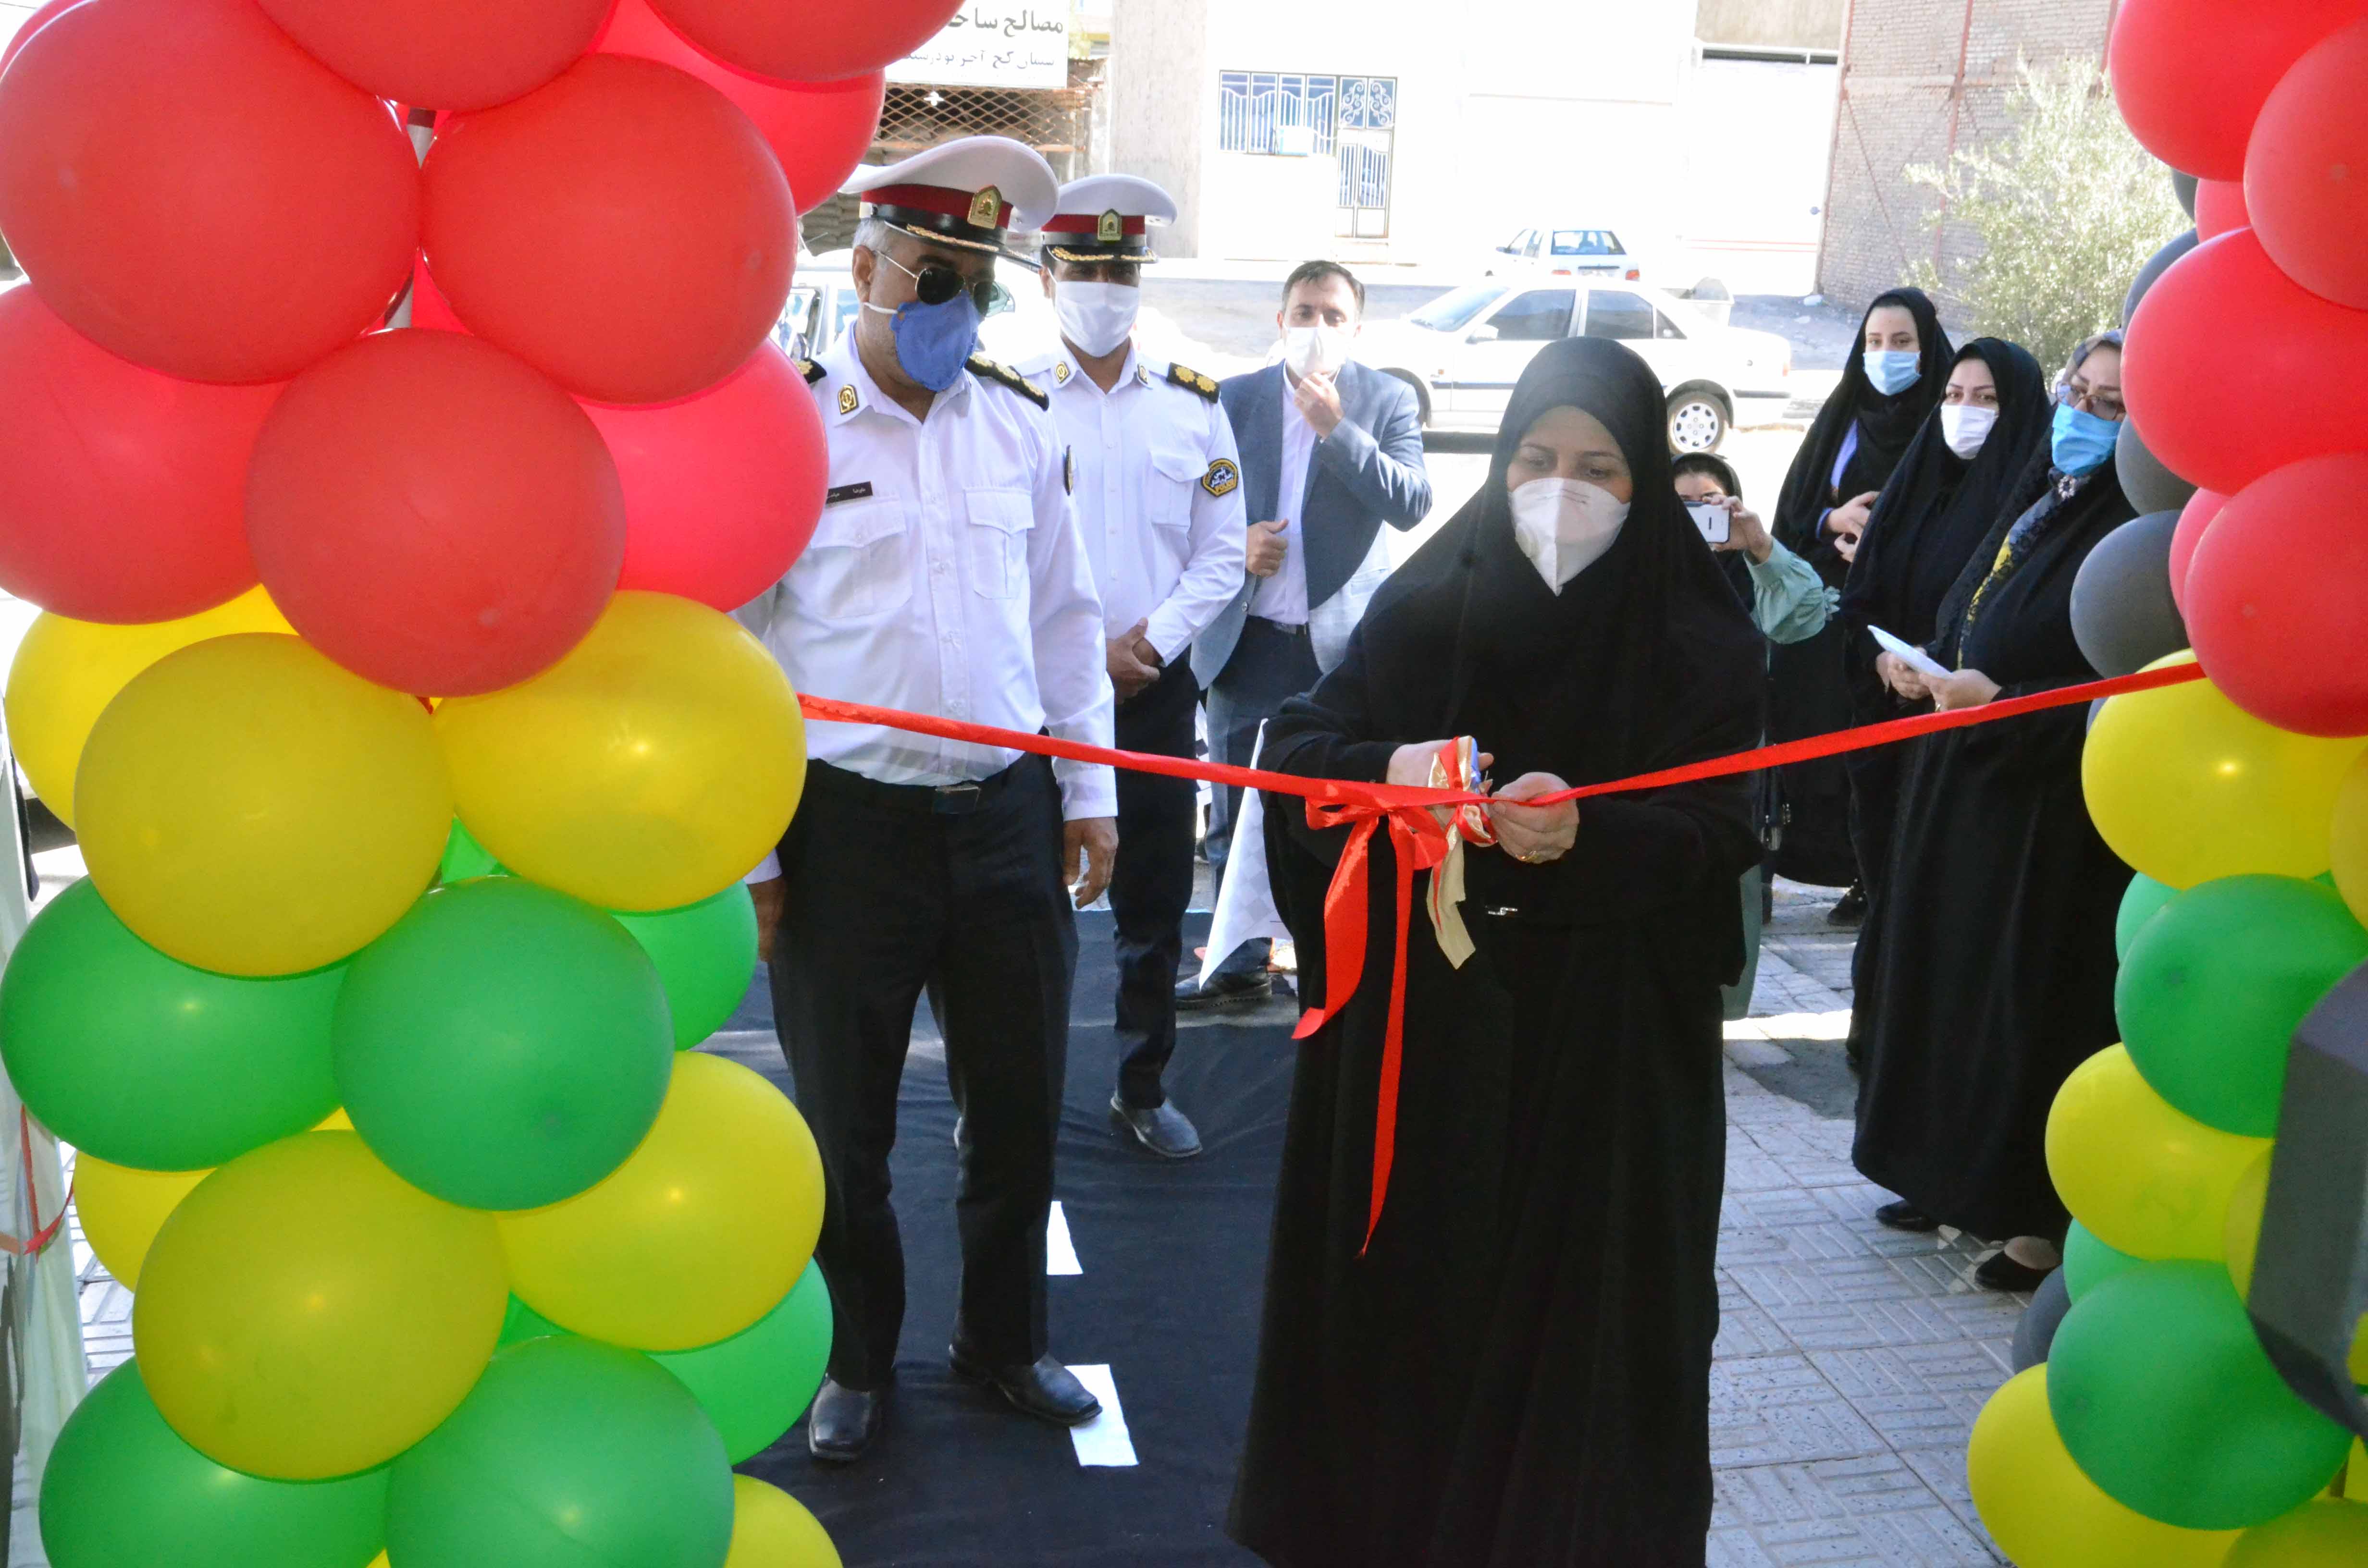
(723, 490)
(2227, 368)
(433, 515)
(193, 191)
(33, 24)
(2190, 76)
(2219, 208)
(2306, 170)
(623, 230)
(819, 131)
(2193, 519)
(798, 40)
(119, 486)
(442, 53)
(2277, 598)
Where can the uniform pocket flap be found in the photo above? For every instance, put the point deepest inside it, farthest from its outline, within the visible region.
(1007, 509)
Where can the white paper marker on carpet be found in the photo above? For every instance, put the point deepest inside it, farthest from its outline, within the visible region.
(1103, 1440)
(1060, 1252)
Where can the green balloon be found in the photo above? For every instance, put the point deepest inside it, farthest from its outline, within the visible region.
(706, 953)
(2089, 1262)
(567, 1453)
(465, 858)
(2166, 1400)
(2212, 989)
(2145, 899)
(503, 1046)
(146, 1061)
(754, 1385)
(122, 1489)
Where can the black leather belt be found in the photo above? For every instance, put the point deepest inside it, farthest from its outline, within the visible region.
(920, 800)
(1281, 628)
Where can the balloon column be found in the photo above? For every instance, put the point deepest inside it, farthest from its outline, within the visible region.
(386, 679)
(2158, 1431)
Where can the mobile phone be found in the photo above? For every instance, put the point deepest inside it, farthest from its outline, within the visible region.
(1713, 519)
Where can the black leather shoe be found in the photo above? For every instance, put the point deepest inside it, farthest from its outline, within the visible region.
(1048, 1390)
(1161, 1128)
(844, 1422)
(1226, 988)
(1850, 910)
(1907, 1217)
(2000, 1272)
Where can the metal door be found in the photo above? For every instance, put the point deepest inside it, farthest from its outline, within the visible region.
(1366, 137)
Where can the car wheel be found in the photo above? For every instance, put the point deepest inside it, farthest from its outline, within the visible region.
(1698, 421)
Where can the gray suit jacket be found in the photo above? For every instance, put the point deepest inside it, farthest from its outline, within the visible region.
(1367, 472)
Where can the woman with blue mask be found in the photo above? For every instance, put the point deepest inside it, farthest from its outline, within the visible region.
(1893, 379)
(1989, 968)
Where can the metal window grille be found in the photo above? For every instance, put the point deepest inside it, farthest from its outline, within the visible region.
(1256, 109)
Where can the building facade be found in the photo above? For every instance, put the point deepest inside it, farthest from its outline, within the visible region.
(1922, 80)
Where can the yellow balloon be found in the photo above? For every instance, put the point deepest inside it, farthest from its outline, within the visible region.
(2044, 1513)
(123, 1209)
(248, 806)
(2145, 1177)
(698, 1233)
(305, 1313)
(649, 768)
(335, 1122)
(68, 671)
(2348, 839)
(2187, 787)
(2325, 1533)
(2243, 1234)
(772, 1529)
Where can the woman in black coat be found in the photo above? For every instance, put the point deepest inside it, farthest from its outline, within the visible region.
(1512, 1371)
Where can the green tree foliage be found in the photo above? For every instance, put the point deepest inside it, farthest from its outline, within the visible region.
(2066, 206)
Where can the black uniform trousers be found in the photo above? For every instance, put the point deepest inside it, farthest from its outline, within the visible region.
(1151, 887)
(1270, 665)
(891, 890)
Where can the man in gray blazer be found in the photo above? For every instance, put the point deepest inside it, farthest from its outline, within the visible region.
(1330, 451)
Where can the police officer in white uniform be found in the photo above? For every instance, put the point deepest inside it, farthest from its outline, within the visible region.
(1159, 499)
(946, 577)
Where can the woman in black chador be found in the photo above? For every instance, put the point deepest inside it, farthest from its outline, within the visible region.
(1893, 379)
(1514, 1373)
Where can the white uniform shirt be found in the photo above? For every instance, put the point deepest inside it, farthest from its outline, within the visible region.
(1282, 599)
(1158, 497)
(945, 577)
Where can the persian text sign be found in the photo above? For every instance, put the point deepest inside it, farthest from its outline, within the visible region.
(994, 43)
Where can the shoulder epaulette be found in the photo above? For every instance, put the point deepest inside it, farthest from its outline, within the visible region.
(987, 369)
(812, 372)
(1193, 381)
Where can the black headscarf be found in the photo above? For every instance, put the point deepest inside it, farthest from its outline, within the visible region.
(1639, 654)
(1886, 425)
(1938, 506)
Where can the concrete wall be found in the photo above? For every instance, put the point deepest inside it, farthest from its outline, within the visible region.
(1773, 24)
(1161, 104)
(1918, 77)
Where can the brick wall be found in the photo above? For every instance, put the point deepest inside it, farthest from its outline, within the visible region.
(1916, 74)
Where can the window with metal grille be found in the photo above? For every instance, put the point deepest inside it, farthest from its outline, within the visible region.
(1282, 112)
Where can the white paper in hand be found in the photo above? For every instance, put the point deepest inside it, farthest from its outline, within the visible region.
(1906, 652)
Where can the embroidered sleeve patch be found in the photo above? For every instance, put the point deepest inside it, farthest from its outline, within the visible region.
(1223, 478)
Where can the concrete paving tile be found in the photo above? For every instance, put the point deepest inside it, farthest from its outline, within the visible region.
(1778, 1410)
(1785, 1206)
(1757, 1496)
(1915, 1396)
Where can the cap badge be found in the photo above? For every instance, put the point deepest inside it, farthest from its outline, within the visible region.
(986, 209)
(1110, 229)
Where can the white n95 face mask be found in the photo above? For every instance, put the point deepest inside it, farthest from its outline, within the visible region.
(1966, 426)
(1314, 350)
(1564, 525)
(1097, 317)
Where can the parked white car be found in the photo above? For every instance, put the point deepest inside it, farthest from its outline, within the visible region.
(1462, 352)
(1563, 250)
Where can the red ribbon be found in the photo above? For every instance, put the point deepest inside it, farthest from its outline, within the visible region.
(1418, 843)
(42, 1235)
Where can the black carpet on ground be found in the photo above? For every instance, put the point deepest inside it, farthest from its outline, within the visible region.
(1174, 1259)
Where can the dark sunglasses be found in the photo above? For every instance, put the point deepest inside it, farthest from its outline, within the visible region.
(935, 283)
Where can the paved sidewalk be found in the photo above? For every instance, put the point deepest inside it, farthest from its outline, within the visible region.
(1852, 1359)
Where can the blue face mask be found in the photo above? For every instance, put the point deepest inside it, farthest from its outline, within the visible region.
(2082, 442)
(934, 342)
(1894, 371)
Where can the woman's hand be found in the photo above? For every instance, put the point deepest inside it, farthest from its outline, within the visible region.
(1848, 520)
(1410, 767)
(1533, 835)
(1967, 688)
(1745, 532)
(1901, 678)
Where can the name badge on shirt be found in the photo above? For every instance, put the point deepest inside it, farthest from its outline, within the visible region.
(846, 492)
